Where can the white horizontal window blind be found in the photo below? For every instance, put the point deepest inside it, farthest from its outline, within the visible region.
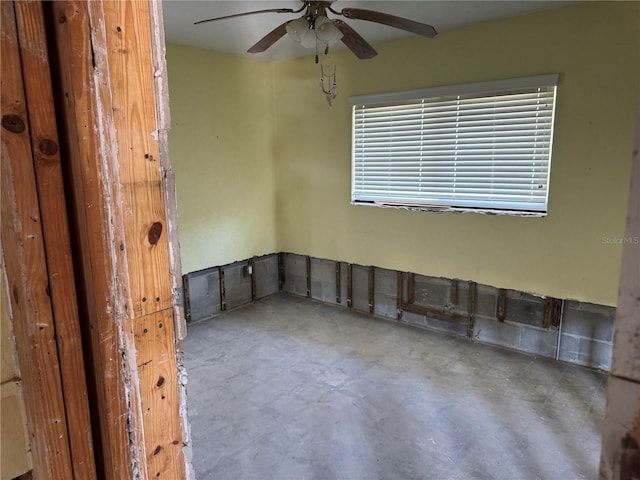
(484, 146)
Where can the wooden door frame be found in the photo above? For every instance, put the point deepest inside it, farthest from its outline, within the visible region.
(101, 64)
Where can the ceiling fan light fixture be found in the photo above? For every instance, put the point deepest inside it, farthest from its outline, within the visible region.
(308, 39)
(326, 31)
(298, 28)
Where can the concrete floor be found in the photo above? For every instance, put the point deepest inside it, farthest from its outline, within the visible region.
(292, 389)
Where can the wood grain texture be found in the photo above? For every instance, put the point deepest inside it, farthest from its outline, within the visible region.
(103, 51)
(127, 28)
(25, 262)
(163, 118)
(128, 46)
(83, 80)
(46, 150)
(154, 334)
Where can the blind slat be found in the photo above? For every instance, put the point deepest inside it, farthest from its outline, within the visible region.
(477, 150)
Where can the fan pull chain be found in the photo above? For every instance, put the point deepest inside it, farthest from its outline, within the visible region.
(328, 70)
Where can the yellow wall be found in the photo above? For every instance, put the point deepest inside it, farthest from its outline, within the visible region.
(263, 164)
(595, 48)
(221, 153)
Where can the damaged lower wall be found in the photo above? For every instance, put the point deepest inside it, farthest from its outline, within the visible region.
(213, 290)
(571, 331)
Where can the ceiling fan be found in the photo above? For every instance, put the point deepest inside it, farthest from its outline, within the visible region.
(315, 26)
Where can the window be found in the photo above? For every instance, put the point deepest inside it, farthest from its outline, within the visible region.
(476, 147)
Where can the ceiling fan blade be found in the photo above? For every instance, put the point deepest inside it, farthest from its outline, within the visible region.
(269, 39)
(352, 39)
(269, 10)
(391, 20)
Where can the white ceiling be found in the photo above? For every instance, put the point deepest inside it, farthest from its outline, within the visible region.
(236, 35)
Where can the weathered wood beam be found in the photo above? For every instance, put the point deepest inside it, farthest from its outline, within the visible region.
(128, 278)
(552, 312)
(55, 226)
(163, 118)
(127, 30)
(25, 263)
(434, 313)
(92, 164)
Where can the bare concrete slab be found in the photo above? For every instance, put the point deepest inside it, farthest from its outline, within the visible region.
(289, 388)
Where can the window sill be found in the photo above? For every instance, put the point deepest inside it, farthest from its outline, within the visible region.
(450, 209)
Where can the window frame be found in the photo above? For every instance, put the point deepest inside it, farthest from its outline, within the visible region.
(490, 89)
